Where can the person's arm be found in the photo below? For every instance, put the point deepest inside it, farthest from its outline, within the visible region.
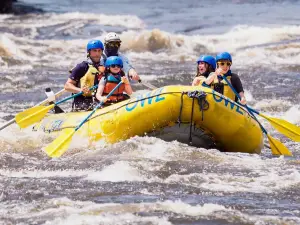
(128, 88)
(238, 86)
(100, 91)
(126, 64)
(210, 78)
(75, 76)
(70, 86)
(198, 80)
(128, 69)
(133, 75)
(243, 98)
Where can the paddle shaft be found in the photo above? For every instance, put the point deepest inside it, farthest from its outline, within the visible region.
(75, 95)
(147, 84)
(41, 103)
(97, 106)
(247, 107)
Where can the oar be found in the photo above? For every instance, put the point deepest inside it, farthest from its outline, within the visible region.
(60, 145)
(147, 84)
(288, 129)
(41, 103)
(277, 147)
(35, 114)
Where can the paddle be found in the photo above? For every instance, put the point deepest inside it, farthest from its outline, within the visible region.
(41, 103)
(147, 84)
(60, 145)
(36, 113)
(277, 147)
(288, 129)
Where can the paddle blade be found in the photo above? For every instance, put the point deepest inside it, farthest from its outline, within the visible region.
(61, 144)
(277, 147)
(32, 115)
(288, 129)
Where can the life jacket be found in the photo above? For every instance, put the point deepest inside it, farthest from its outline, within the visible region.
(92, 76)
(111, 82)
(221, 86)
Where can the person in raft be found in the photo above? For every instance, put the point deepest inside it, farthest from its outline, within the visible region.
(85, 75)
(205, 65)
(216, 81)
(113, 75)
(112, 43)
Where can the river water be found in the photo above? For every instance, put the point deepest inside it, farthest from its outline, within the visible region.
(145, 180)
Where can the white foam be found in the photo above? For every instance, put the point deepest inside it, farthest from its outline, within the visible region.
(293, 114)
(78, 19)
(148, 77)
(272, 104)
(129, 21)
(159, 45)
(249, 96)
(118, 171)
(7, 42)
(269, 175)
(109, 219)
(43, 173)
(87, 212)
(157, 150)
(78, 212)
(154, 44)
(189, 210)
(243, 35)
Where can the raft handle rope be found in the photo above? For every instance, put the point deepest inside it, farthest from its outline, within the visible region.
(191, 123)
(203, 105)
(200, 96)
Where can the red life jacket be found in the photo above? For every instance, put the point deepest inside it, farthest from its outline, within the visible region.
(111, 82)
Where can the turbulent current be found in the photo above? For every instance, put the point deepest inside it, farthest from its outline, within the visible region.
(145, 180)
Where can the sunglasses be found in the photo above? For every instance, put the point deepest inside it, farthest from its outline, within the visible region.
(115, 66)
(224, 63)
(113, 44)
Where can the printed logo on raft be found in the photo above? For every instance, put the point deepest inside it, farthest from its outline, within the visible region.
(227, 102)
(142, 99)
(48, 126)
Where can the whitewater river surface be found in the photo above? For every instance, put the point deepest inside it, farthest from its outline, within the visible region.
(145, 180)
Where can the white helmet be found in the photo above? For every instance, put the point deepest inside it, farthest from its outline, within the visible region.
(111, 36)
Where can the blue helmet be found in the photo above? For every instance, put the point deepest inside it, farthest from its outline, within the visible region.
(223, 56)
(114, 60)
(210, 60)
(94, 44)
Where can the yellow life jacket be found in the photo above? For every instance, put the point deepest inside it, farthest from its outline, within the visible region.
(223, 88)
(88, 79)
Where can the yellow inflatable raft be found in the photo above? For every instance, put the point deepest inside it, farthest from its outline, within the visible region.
(194, 115)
